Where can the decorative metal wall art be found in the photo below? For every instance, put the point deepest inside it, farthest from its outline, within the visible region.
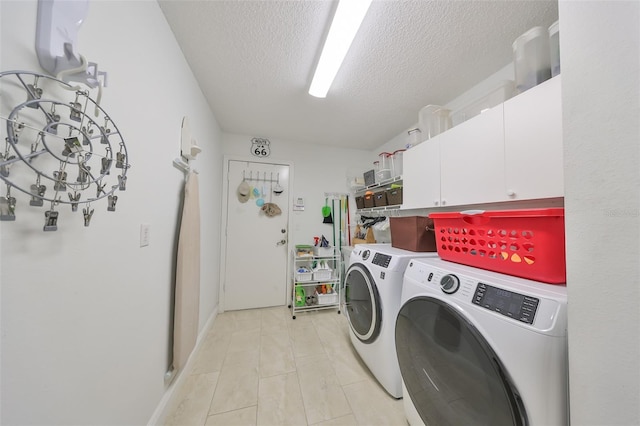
(59, 148)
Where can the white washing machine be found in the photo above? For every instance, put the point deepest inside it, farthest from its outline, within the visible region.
(373, 286)
(482, 348)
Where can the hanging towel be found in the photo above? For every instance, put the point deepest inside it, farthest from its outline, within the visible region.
(187, 299)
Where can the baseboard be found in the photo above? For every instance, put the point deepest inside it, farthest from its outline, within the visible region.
(160, 413)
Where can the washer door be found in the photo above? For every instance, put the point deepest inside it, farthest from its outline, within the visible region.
(452, 375)
(362, 303)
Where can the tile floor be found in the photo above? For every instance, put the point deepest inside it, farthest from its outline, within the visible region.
(261, 367)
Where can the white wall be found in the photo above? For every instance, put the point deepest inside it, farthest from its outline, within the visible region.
(317, 169)
(600, 55)
(86, 311)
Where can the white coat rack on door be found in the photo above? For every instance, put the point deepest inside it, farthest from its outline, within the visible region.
(260, 179)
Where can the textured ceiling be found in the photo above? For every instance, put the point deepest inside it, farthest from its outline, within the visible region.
(254, 61)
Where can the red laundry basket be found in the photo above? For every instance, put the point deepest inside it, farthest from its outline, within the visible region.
(523, 243)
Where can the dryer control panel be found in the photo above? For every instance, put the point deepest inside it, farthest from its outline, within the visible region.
(508, 303)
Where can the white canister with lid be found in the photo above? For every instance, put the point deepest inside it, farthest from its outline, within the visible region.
(396, 159)
(554, 48)
(415, 137)
(531, 58)
(385, 167)
(433, 120)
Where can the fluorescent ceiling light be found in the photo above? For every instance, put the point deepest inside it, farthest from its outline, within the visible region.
(345, 25)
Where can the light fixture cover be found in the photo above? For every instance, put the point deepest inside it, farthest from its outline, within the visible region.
(345, 25)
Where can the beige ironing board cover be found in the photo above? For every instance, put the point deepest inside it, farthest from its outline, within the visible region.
(187, 298)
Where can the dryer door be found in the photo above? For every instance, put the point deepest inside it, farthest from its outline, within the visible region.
(362, 303)
(452, 375)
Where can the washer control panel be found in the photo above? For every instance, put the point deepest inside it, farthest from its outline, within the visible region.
(381, 260)
(513, 305)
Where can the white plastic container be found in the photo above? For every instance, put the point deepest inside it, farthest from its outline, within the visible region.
(322, 275)
(384, 172)
(322, 251)
(415, 137)
(504, 91)
(304, 276)
(327, 299)
(396, 162)
(554, 48)
(531, 58)
(433, 120)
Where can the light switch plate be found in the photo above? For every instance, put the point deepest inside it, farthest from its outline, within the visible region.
(145, 229)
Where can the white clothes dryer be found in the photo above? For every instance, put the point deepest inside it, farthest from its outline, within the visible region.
(372, 288)
(482, 348)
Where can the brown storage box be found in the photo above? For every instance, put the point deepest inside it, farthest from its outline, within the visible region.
(380, 199)
(414, 233)
(360, 202)
(368, 201)
(394, 196)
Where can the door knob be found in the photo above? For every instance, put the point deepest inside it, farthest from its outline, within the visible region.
(281, 242)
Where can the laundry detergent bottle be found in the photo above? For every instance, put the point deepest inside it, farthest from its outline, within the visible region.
(300, 296)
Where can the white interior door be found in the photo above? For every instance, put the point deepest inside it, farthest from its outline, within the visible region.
(256, 249)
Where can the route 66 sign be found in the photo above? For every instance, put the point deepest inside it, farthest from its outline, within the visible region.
(260, 147)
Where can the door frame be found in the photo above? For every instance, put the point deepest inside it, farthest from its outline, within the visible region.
(224, 219)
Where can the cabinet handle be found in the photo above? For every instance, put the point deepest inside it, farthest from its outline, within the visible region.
(444, 202)
(435, 202)
(511, 193)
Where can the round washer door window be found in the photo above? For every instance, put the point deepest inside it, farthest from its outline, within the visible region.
(452, 375)
(362, 303)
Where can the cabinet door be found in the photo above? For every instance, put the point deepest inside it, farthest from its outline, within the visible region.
(533, 143)
(472, 160)
(421, 176)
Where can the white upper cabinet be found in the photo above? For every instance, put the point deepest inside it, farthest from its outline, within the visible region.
(533, 143)
(421, 176)
(472, 160)
(510, 152)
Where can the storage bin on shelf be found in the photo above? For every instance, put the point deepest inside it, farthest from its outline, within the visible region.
(380, 199)
(394, 196)
(303, 250)
(303, 275)
(368, 200)
(322, 274)
(413, 233)
(322, 251)
(369, 177)
(523, 243)
(329, 298)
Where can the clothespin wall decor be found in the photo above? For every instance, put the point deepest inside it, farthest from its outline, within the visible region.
(59, 148)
